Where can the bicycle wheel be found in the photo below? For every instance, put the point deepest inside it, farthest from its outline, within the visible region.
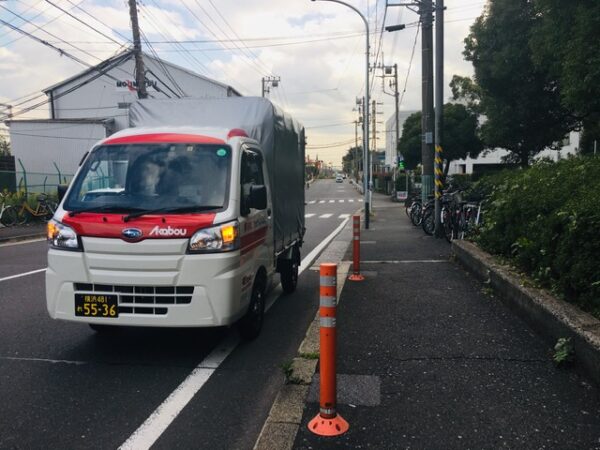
(428, 222)
(23, 216)
(9, 216)
(416, 215)
(50, 208)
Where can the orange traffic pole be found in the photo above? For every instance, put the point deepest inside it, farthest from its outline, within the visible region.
(356, 276)
(328, 422)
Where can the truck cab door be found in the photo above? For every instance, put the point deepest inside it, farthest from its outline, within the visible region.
(256, 224)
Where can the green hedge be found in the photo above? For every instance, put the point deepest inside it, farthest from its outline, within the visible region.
(546, 220)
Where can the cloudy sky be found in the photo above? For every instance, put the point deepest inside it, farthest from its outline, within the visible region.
(317, 48)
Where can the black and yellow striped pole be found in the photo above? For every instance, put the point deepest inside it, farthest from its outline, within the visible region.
(439, 115)
(439, 186)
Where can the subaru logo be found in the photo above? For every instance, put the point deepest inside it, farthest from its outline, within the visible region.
(132, 233)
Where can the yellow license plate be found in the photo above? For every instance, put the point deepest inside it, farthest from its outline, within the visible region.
(94, 305)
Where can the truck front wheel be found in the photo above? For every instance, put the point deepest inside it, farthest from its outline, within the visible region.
(289, 272)
(251, 324)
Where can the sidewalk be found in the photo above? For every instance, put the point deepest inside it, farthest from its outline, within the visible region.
(428, 360)
(36, 230)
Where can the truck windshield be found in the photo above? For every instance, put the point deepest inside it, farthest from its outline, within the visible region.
(143, 177)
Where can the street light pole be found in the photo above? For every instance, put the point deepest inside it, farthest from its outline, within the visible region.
(366, 162)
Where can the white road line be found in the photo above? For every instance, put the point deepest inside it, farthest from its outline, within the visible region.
(325, 216)
(308, 215)
(351, 200)
(312, 202)
(27, 241)
(310, 258)
(155, 425)
(360, 199)
(52, 361)
(343, 216)
(331, 201)
(341, 201)
(321, 201)
(12, 277)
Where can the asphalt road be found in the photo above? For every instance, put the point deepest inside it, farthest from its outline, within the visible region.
(63, 386)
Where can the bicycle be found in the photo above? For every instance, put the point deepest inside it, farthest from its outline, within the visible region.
(8, 213)
(44, 209)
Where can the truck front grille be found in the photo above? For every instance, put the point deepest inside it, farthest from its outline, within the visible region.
(141, 299)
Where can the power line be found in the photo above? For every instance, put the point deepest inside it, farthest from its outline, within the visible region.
(84, 23)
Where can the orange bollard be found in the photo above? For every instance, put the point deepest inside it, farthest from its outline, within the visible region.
(328, 422)
(356, 276)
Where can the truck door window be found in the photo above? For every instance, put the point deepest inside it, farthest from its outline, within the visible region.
(251, 174)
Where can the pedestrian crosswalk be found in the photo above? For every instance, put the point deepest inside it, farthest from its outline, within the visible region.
(325, 216)
(333, 200)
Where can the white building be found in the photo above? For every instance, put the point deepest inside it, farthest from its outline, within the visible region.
(492, 160)
(390, 135)
(92, 105)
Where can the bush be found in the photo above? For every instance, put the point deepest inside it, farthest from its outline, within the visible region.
(546, 220)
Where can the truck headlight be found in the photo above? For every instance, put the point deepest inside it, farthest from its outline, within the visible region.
(221, 238)
(62, 237)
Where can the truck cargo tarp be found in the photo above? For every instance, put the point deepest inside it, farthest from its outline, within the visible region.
(281, 139)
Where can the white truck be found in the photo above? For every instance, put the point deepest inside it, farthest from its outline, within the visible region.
(182, 220)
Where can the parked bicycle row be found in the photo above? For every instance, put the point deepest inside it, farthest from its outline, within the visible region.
(18, 210)
(459, 218)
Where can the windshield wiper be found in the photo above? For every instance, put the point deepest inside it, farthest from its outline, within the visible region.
(99, 208)
(180, 209)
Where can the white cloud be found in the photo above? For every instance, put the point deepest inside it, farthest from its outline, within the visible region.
(319, 80)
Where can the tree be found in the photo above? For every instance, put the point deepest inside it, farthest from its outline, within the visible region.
(565, 43)
(520, 101)
(460, 132)
(352, 160)
(4, 147)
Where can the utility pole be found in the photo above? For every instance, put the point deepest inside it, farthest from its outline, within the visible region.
(427, 122)
(268, 82)
(355, 148)
(439, 112)
(140, 78)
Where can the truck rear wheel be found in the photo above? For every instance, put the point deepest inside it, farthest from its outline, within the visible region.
(251, 324)
(289, 272)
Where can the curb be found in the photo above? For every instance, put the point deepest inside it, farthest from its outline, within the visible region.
(285, 417)
(24, 237)
(549, 316)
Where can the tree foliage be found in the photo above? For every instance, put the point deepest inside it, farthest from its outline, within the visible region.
(352, 156)
(460, 138)
(566, 44)
(4, 147)
(519, 99)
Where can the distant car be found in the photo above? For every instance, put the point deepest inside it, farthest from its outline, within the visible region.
(344, 176)
(339, 179)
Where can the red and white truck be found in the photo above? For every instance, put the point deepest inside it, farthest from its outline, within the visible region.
(182, 220)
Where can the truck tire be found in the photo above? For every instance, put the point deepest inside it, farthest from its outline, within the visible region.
(289, 272)
(251, 324)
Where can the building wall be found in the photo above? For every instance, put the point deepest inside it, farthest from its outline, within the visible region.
(39, 145)
(100, 97)
(390, 135)
(570, 147)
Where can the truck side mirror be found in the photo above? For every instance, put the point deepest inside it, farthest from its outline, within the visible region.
(258, 196)
(62, 190)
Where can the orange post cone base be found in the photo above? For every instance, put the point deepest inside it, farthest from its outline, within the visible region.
(328, 427)
(356, 277)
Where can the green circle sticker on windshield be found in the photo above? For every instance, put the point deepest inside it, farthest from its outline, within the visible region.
(221, 152)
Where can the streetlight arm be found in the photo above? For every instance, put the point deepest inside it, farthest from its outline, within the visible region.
(351, 7)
